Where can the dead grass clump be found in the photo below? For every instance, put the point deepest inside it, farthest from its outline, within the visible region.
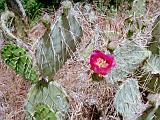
(13, 90)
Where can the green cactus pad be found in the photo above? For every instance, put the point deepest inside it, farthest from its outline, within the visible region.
(128, 57)
(50, 98)
(154, 45)
(138, 8)
(18, 59)
(153, 65)
(128, 100)
(150, 79)
(58, 43)
(153, 110)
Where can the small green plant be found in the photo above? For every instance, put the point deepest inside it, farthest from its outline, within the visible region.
(34, 10)
(2, 5)
(18, 59)
(43, 112)
(31, 7)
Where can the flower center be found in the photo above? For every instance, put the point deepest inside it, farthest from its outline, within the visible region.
(101, 62)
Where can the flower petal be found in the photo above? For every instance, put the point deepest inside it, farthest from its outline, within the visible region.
(109, 59)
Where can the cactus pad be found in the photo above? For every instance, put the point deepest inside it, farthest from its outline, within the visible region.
(58, 43)
(151, 75)
(128, 100)
(128, 57)
(50, 98)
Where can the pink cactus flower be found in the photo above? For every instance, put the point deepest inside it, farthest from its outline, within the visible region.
(101, 63)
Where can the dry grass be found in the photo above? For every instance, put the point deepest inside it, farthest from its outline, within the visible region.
(85, 95)
(13, 90)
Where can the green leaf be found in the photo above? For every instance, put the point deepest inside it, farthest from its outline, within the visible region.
(18, 59)
(43, 112)
(128, 100)
(12, 64)
(2, 5)
(130, 33)
(96, 77)
(33, 75)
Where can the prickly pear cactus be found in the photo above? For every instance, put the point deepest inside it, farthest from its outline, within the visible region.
(46, 102)
(154, 45)
(150, 78)
(18, 59)
(153, 111)
(128, 57)
(53, 49)
(20, 21)
(153, 65)
(156, 30)
(128, 100)
(138, 8)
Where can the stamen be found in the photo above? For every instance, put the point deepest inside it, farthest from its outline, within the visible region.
(101, 62)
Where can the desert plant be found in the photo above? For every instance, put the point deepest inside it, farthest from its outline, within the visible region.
(51, 51)
(147, 63)
(57, 44)
(46, 102)
(128, 57)
(132, 58)
(151, 68)
(2, 5)
(128, 100)
(60, 40)
(47, 99)
(32, 9)
(18, 59)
